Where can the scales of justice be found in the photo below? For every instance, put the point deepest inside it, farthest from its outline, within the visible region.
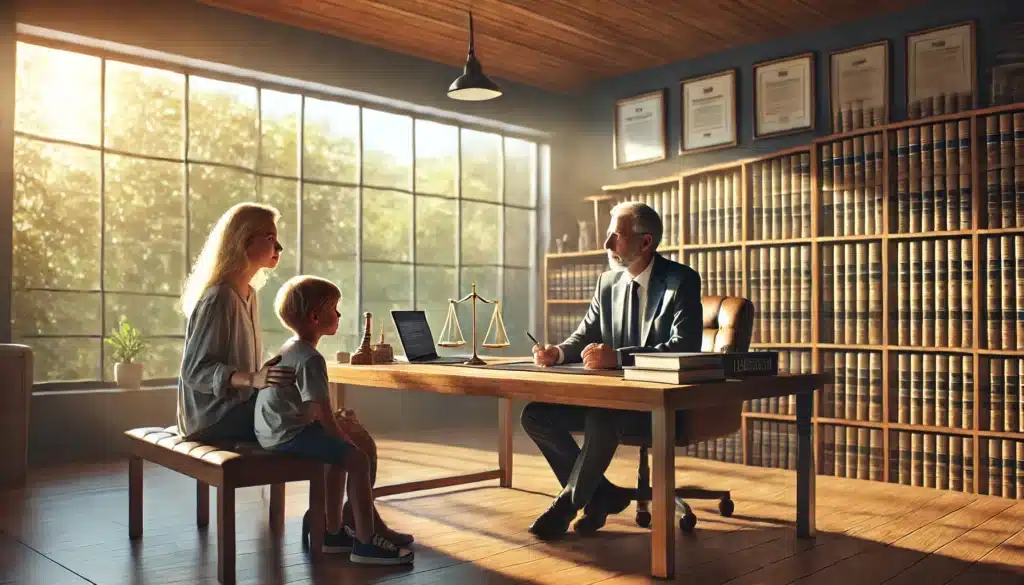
(451, 333)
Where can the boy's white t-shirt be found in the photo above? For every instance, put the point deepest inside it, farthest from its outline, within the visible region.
(280, 414)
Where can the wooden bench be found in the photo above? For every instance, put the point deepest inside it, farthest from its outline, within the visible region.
(226, 468)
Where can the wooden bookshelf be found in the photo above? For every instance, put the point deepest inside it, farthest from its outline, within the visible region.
(719, 226)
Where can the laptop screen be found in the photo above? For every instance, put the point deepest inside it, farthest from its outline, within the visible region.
(415, 334)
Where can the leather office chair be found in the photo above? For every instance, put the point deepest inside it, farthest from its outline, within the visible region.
(728, 324)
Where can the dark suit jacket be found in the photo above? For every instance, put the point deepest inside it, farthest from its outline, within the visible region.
(674, 317)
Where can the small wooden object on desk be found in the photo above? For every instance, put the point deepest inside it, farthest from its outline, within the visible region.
(382, 352)
(364, 355)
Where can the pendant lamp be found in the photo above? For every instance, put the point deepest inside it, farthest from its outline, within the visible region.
(473, 85)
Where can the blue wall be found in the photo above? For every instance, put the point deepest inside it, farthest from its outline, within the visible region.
(594, 163)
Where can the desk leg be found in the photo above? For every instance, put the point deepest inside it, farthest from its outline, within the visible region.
(506, 430)
(804, 467)
(337, 392)
(663, 549)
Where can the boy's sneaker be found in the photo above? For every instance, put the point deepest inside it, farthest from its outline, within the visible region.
(379, 552)
(337, 543)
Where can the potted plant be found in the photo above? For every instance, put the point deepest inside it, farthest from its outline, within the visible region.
(128, 344)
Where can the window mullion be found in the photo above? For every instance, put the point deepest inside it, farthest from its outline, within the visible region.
(103, 213)
(359, 226)
(458, 217)
(412, 223)
(300, 144)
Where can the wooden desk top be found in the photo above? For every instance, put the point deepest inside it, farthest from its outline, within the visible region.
(581, 389)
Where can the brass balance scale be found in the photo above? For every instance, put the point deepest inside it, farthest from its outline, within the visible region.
(451, 333)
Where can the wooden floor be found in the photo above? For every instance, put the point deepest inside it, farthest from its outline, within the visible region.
(69, 527)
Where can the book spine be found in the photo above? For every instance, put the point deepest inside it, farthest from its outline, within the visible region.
(839, 292)
(927, 192)
(917, 459)
(1011, 396)
(828, 457)
(902, 182)
(863, 292)
(939, 175)
(969, 390)
(1018, 252)
(863, 386)
(693, 217)
(942, 389)
(722, 203)
(705, 214)
(1020, 468)
(767, 201)
(1006, 186)
(775, 299)
(969, 465)
(929, 460)
(737, 206)
(879, 183)
(992, 172)
(828, 395)
(952, 180)
(1018, 167)
(956, 392)
(903, 375)
(941, 290)
(914, 178)
(785, 294)
(928, 389)
(827, 224)
(953, 287)
(874, 293)
(956, 464)
(805, 293)
(928, 293)
(995, 395)
(942, 462)
(993, 302)
(1009, 469)
(995, 467)
(863, 453)
(869, 185)
(967, 293)
(849, 195)
(966, 195)
(779, 203)
(805, 194)
(916, 306)
(1008, 290)
(875, 385)
(905, 458)
(839, 403)
(916, 389)
(788, 210)
(859, 195)
(852, 386)
(851, 294)
(852, 452)
(794, 273)
(766, 294)
(903, 292)
(840, 466)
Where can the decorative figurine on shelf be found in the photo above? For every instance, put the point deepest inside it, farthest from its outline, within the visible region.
(561, 243)
(364, 355)
(382, 352)
(583, 240)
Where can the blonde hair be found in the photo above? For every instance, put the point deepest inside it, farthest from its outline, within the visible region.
(224, 253)
(300, 296)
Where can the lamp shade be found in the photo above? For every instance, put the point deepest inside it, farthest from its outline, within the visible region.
(473, 85)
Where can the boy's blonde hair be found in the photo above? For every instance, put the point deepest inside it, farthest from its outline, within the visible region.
(300, 296)
(224, 253)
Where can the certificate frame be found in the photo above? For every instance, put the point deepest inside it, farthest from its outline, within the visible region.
(913, 92)
(731, 133)
(805, 122)
(655, 100)
(835, 94)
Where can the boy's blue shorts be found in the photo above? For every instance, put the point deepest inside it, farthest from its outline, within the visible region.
(315, 443)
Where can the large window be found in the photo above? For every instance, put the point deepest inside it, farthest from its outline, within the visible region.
(122, 169)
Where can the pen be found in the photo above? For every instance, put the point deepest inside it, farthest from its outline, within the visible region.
(531, 338)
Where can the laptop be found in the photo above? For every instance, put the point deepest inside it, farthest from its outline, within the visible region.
(418, 342)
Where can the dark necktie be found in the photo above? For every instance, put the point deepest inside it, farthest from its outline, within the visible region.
(631, 332)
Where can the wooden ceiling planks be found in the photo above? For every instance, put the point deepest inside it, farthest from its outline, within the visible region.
(562, 44)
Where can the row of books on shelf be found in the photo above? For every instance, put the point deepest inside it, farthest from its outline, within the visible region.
(574, 281)
(794, 362)
(853, 452)
(715, 213)
(853, 186)
(1004, 294)
(665, 200)
(935, 390)
(1005, 468)
(1004, 169)
(934, 295)
(934, 461)
(780, 205)
(772, 444)
(1000, 398)
(780, 288)
(942, 103)
(562, 322)
(721, 271)
(851, 293)
(856, 389)
(728, 449)
(933, 178)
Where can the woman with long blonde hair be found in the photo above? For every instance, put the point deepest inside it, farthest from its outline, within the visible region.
(220, 366)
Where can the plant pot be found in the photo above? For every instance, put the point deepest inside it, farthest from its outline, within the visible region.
(128, 375)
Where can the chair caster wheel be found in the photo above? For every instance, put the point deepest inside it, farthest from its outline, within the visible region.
(726, 507)
(643, 519)
(687, 523)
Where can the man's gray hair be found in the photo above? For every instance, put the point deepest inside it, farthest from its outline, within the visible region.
(644, 219)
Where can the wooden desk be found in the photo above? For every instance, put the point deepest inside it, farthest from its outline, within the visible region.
(660, 400)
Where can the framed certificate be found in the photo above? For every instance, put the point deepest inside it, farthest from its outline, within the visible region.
(638, 136)
(784, 96)
(707, 117)
(941, 71)
(859, 87)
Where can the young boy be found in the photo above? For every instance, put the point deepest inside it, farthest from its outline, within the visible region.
(297, 419)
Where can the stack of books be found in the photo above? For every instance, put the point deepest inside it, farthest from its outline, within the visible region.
(695, 367)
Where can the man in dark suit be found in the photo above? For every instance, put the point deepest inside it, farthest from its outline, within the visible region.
(645, 303)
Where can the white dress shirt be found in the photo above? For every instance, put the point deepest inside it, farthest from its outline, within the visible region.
(643, 280)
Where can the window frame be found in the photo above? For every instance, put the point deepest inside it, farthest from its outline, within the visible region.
(540, 147)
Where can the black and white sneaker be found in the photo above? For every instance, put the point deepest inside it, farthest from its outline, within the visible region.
(379, 551)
